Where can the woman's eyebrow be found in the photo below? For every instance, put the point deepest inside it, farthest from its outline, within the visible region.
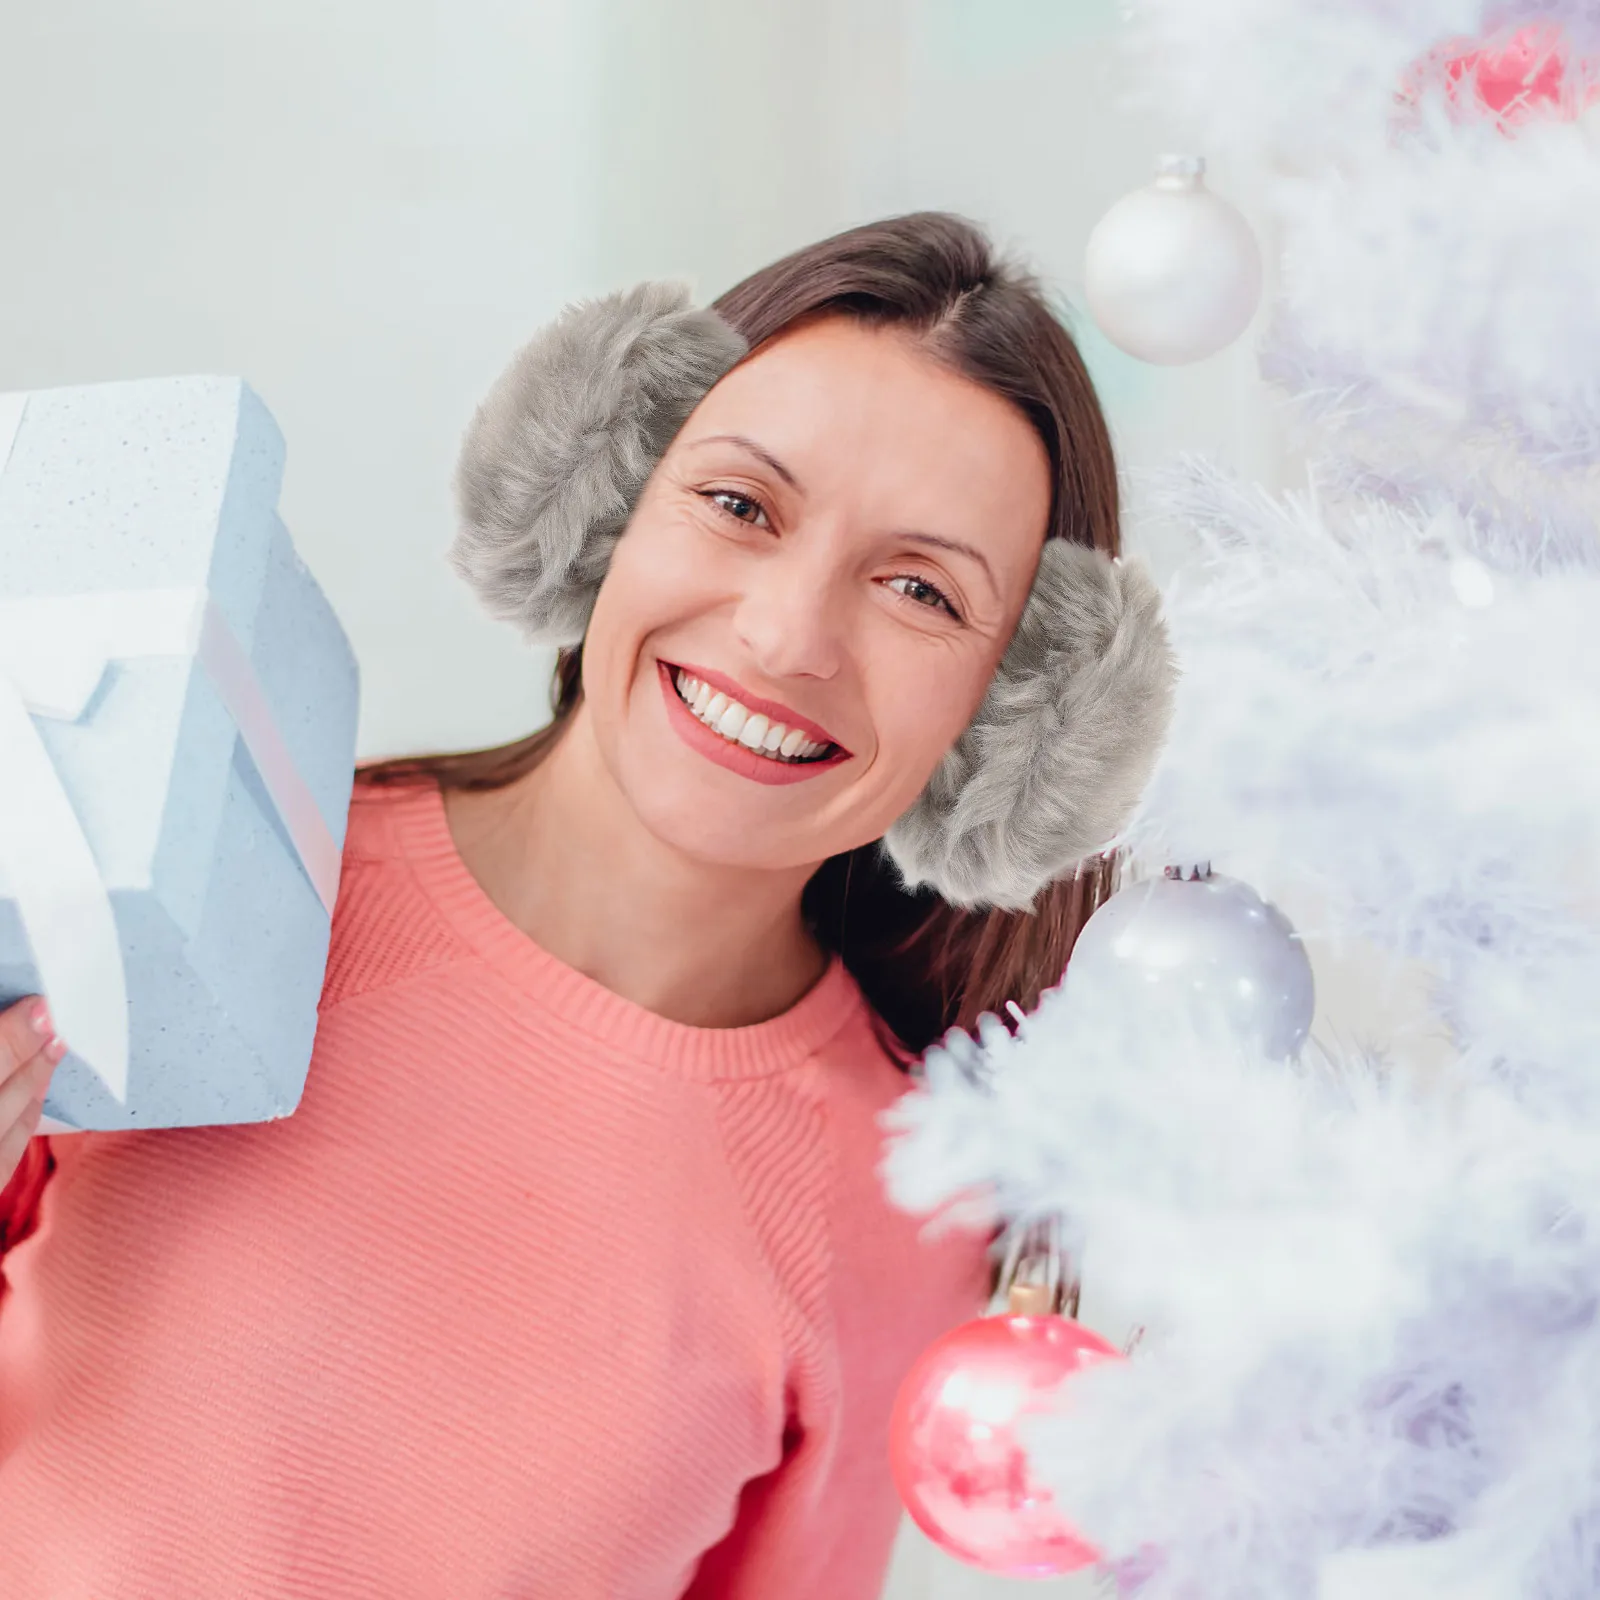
(940, 543)
(911, 535)
(759, 451)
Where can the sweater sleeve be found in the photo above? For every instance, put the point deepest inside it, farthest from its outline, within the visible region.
(822, 1523)
(19, 1196)
(877, 1287)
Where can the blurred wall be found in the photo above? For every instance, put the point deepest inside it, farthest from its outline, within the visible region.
(364, 207)
(360, 207)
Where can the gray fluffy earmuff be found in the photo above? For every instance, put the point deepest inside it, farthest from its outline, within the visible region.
(1067, 735)
(1060, 748)
(559, 451)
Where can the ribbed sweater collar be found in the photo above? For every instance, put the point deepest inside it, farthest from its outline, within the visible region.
(421, 834)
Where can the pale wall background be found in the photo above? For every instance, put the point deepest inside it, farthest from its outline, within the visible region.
(363, 206)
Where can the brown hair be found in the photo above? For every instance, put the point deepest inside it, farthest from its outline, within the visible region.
(923, 964)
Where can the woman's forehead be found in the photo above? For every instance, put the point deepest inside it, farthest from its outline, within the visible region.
(839, 401)
(845, 364)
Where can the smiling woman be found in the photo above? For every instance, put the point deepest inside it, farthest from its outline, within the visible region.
(854, 689)
(571, 1274)
(854, 515)
(822, 572)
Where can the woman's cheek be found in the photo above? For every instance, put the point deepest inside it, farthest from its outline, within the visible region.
(642, 592)
(667, 565)
(923, 699)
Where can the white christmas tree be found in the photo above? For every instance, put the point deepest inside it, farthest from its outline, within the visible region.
(1373, 1371)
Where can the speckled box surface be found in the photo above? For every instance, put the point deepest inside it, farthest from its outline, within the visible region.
(158, 484)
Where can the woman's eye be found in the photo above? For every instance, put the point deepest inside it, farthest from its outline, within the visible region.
(739, 506)
(923, 592)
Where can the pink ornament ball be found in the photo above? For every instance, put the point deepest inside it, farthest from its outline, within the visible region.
(1509, 77)
(958, 1464)
(1528, 71)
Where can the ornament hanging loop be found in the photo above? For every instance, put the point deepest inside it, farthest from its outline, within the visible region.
(1036, 1278)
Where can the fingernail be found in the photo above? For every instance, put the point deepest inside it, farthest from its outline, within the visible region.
(39, 1020)
(54, 1051)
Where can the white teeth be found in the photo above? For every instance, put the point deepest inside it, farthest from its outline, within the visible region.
(739, 725)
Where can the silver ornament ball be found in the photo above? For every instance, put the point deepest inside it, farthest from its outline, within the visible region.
(1172, 272)
(1203, 941)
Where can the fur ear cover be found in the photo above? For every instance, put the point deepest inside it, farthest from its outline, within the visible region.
(1062, 745)
(557, 454)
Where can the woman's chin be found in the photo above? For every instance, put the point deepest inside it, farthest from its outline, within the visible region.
(723, 804)
(706, 827)
(716, 817)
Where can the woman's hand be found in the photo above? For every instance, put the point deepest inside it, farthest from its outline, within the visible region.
(29, 1052)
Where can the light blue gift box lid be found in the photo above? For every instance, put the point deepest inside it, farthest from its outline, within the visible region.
(162, 484)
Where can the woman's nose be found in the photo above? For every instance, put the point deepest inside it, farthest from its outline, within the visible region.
(789, 616)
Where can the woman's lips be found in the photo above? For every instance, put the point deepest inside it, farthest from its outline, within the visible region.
(770, 709)
(736, 757)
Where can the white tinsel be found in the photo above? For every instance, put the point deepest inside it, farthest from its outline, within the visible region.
(1433, 766)
(1287, 83)
(1283, 82)
(1376, 1374)
(1452, 275)
(1343, 1265)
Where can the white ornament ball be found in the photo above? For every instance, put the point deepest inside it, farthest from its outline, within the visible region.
(1207, 946)
(1173, 272)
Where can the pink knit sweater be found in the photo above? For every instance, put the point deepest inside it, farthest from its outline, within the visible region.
(536, 1294)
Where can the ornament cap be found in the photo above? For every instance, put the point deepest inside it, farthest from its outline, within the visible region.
(1180, 171)
(1030, 1300)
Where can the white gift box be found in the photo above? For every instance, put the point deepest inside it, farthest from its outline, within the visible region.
(177, 741)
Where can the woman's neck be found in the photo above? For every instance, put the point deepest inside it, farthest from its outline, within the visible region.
(563, 856)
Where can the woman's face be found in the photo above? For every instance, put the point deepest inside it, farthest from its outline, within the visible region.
(812, 596)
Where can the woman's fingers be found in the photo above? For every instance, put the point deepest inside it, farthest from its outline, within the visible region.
(29, 1051)
(25, 1029)
(25, 1085)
